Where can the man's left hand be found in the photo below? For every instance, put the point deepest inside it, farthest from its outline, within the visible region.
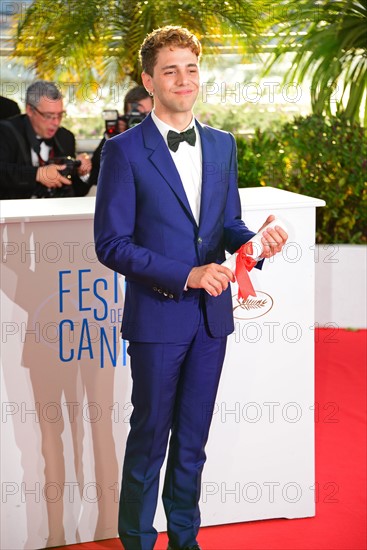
(273, 239)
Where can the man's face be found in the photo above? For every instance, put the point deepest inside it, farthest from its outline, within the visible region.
(175, 81)
(46, 116)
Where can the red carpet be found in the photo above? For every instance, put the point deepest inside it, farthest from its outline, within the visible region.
(340, 522)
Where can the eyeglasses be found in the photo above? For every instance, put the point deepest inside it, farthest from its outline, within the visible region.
(49, 116)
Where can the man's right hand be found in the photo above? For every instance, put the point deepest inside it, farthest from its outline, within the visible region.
(214, 278)
(49, 175)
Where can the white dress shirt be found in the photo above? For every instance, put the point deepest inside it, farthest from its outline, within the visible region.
(188, 161)
(44, 153)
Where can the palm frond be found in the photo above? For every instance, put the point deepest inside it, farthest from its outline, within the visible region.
(330, 41)
(89, 39)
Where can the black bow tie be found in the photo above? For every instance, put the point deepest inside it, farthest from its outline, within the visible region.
(174, 138)
(48, 142)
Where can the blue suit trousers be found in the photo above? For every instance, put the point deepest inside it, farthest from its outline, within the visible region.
(174, 391)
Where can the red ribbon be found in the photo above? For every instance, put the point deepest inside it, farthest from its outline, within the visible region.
(244, 264)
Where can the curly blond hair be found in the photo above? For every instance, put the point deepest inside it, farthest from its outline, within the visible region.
(170, 35)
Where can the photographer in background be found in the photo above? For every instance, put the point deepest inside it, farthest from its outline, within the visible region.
(37, 155)
(137, 100)
(8, 107)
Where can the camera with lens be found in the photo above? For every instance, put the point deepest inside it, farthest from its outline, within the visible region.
(133, 117)
(71, 168)
(112, 117)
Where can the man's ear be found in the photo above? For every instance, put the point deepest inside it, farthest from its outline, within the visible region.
(30, 112)
(147, 82)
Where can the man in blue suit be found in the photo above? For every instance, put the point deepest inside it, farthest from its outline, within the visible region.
(167, 209)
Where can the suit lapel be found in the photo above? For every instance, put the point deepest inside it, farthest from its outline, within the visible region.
(163, 162)
(210, 172)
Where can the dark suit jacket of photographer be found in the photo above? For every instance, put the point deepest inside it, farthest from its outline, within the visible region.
(96, 163)
(8, 107)
(17, 174)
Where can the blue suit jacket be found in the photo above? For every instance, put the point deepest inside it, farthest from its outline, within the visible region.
(144, 229)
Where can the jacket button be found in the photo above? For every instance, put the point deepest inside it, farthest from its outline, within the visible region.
(170, 295)
(200, 240)
(155, 289)
(160, 290)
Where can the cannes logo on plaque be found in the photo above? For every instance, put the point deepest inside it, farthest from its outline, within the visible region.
(252, 307)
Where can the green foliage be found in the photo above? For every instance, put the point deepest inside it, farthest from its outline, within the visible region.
(240, 118)
(319, 157)
(86, 40)
(329, 39)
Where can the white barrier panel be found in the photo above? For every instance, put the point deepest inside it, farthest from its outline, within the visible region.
(66, 381)
(261, 449)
